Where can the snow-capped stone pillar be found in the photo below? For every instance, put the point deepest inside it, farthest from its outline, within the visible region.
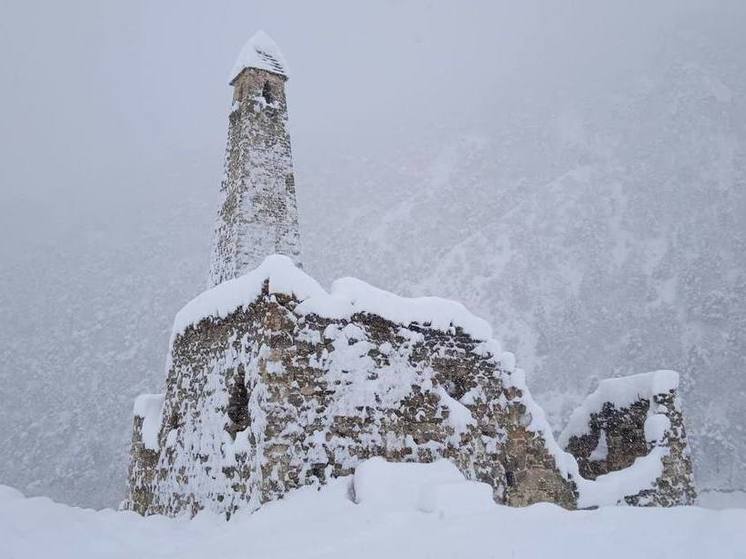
(257, 214)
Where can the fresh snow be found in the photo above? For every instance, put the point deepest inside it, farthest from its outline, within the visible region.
(655, 427)
(458, 414)
(223, 299)
(601, 452)
(441, 314)
(438, 486)
(346, 297)
(610, 489)
(403, 510)
(149, 407)
(260, 52)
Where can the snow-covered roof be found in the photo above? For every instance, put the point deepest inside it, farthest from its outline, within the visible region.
(260, 52)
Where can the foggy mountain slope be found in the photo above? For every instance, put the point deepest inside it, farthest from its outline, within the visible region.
(91, 312)
(577, 179)
(629, 260)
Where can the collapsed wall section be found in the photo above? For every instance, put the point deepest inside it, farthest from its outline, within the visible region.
(635, 425)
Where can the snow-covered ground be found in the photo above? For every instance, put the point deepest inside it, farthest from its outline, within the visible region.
(407, 512)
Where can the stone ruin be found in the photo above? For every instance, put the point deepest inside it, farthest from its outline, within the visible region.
(273, 384)
(628, 421)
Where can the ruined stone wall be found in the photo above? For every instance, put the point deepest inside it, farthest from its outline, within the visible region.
(257, 214)
(268, 399)
(274, 384)
(142, 467)
(616, 435)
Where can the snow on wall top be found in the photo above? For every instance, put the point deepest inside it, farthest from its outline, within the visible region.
(622, 392)
(610, 489)
(346, 297)
(260, 52)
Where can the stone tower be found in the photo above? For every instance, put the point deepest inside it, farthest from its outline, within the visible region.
(257, 213)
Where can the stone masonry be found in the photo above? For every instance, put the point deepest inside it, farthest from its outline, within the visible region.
(614, 435)
(257, 213)
(272, 386)
(267, 400)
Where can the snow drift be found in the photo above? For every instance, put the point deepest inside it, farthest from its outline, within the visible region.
(405, 510)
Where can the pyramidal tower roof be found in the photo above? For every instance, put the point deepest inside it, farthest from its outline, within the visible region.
(260, 52)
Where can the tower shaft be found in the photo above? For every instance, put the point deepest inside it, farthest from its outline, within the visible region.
(257, 213)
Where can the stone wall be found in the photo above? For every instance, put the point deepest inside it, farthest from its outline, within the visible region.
(265, 400)
(142, 469)
(612, 435)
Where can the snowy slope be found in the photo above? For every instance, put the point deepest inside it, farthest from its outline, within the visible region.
(414, 515)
